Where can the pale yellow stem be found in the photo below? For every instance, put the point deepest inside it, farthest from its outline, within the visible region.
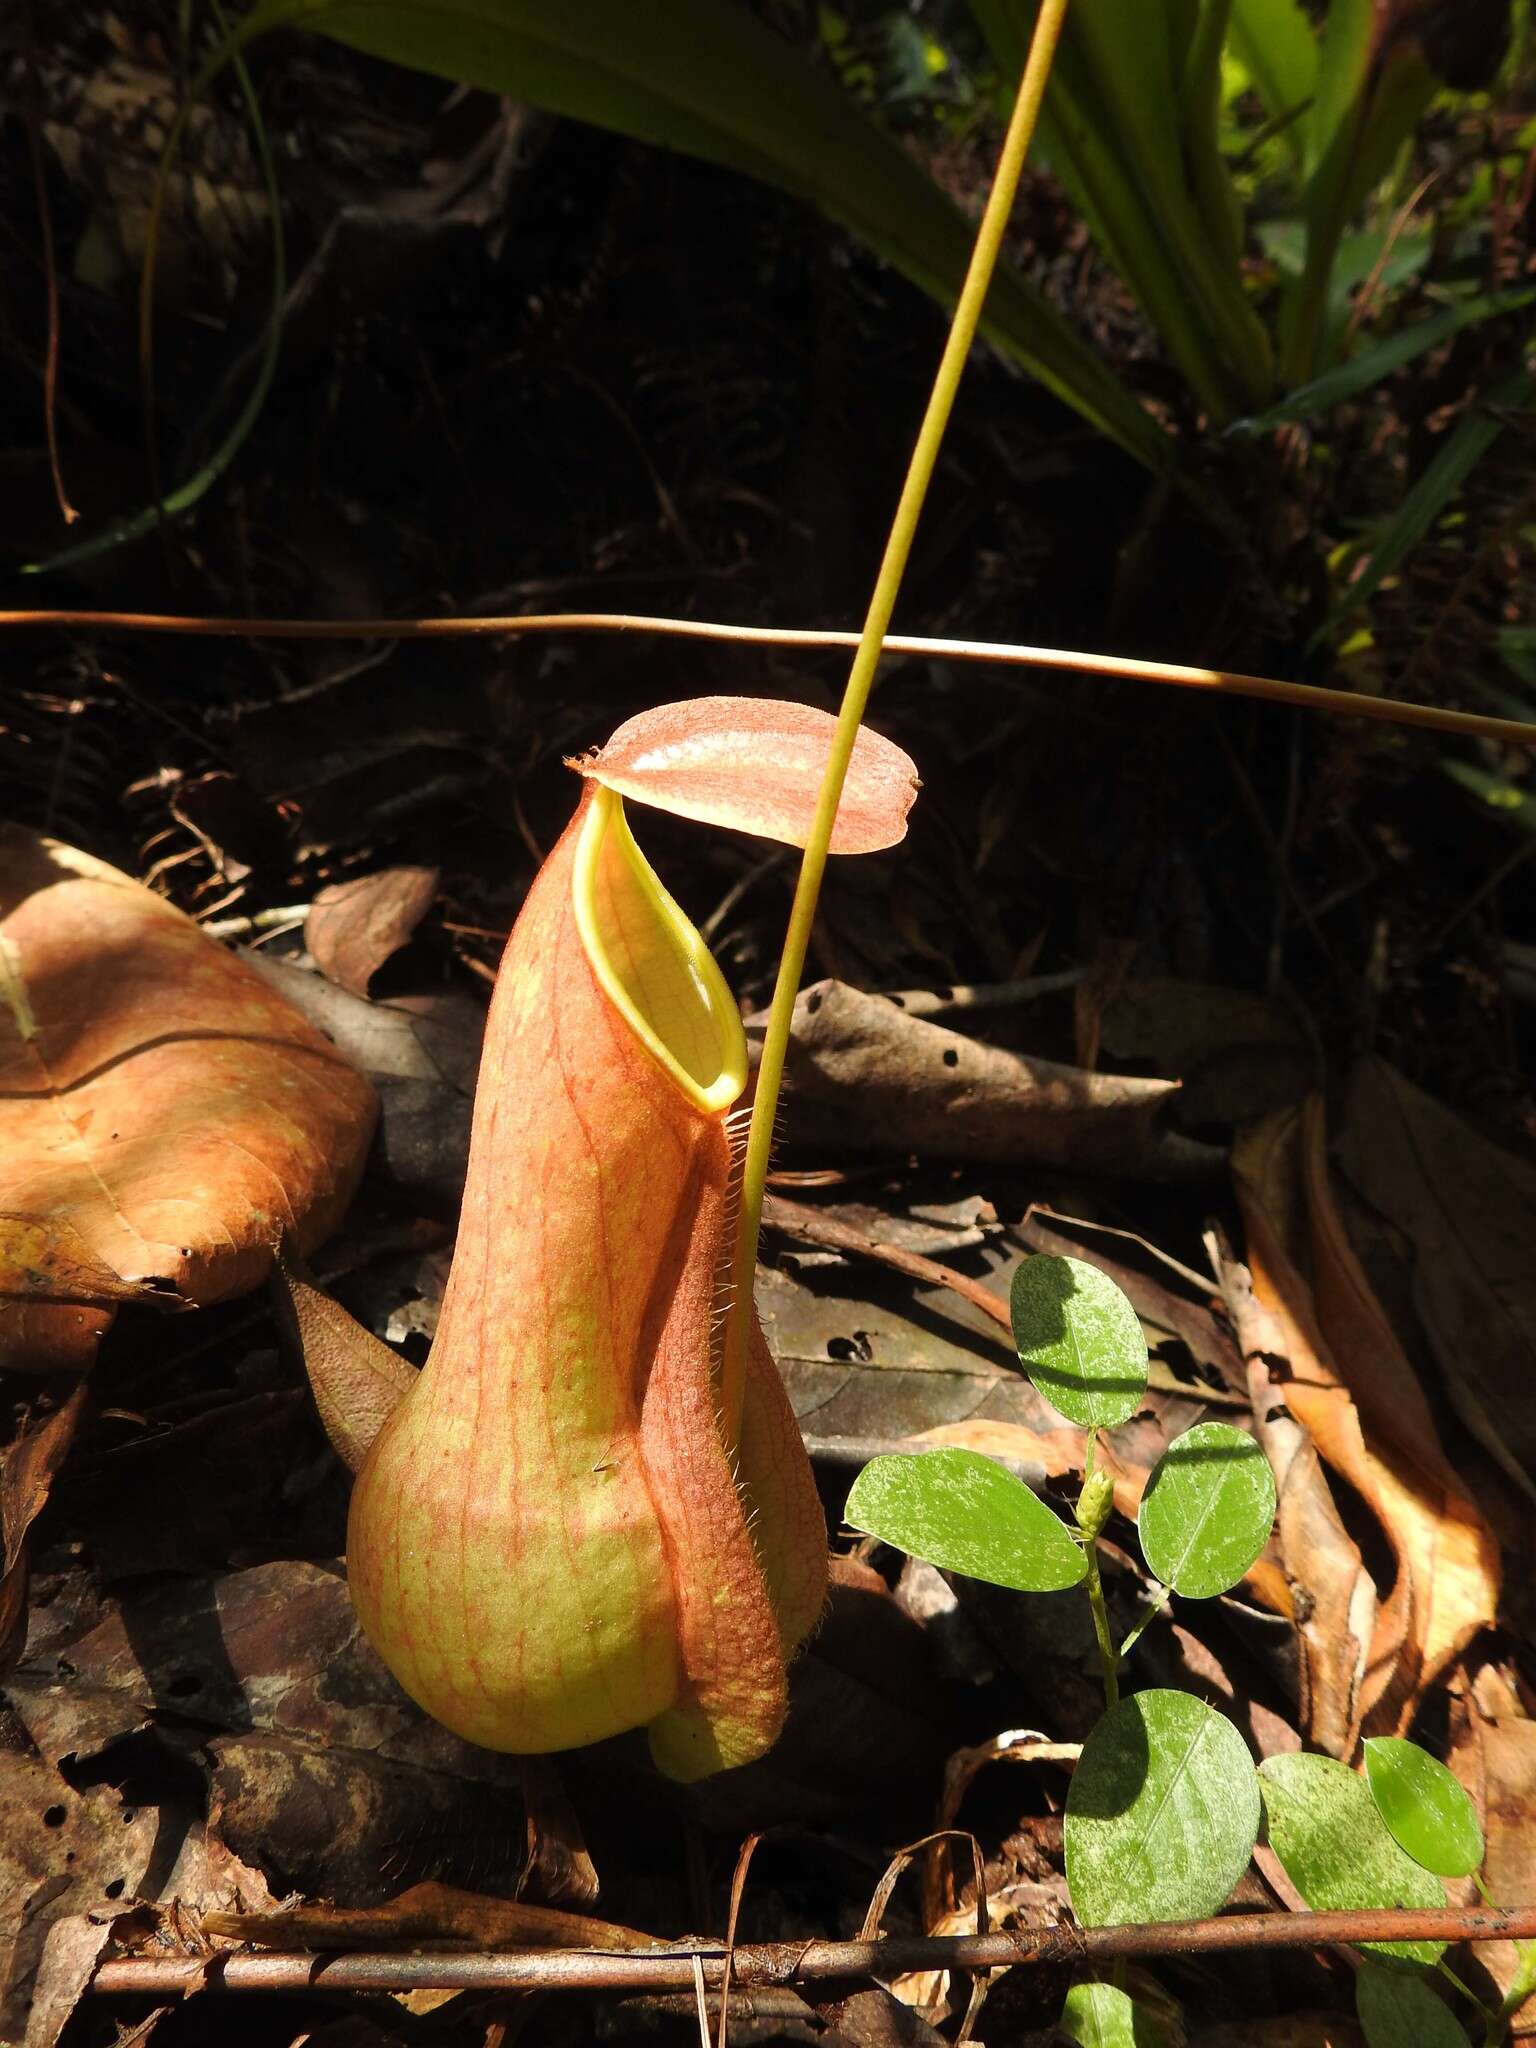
(962, 333)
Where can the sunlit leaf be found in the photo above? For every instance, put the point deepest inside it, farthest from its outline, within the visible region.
(1207, 1510)
(1324, 1827)
(1398, 2010)
(963, 1512)
(1099, 2016)
(1162, 1815)
(1427, 1809)
(1079, 1340)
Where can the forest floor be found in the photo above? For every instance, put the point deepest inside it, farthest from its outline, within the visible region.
(531, 368)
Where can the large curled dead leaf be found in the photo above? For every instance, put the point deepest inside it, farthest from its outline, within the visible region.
(1346, 1368)
(165, 1119)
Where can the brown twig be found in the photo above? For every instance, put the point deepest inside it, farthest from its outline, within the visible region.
(797, 1962)
(1223, 682)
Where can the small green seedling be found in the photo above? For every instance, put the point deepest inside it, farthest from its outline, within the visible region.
(1166, 1805)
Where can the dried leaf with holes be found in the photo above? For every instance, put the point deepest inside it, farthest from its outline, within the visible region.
(862, 1073)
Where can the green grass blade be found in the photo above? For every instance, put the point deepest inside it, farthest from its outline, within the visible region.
(1083, 150)
(1200, 128)
(1135, 100)
(1369, 368)
(1277, 46)
(1435, 489)
(1367, 105)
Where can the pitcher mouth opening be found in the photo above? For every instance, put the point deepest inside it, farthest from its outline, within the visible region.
(652, 964)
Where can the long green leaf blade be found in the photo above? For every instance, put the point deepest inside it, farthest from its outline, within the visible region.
(1374, 365)
(1433, 492)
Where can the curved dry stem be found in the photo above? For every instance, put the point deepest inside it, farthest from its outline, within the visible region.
(1220, 682)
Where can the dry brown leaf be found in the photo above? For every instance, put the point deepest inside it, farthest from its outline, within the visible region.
(430, 1915)
(27, 1472)
(1466, 1212)
(1326, 1591)
(164, 1117)
(50, 1336)
(320, 1770)
(1292, 2030)
(357, 1380)
(28, 1469)
(354, 927)
(867, 1716)
(67, 1853)
(862, 1073)
(1235, 1054)
(1448, 1573)
(1496, 1761)
(559, 1865)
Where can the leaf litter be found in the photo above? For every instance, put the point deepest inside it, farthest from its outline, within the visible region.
(197, 1748)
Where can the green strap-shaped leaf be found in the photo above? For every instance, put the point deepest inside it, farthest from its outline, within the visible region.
(1398, 2010)
(1277, 46)
(1460, 453)
(1207, 1511)
(1162, 1815)
(1079, 1340)
(1427, 1809)
(1099, 2016)
(1324, 1827)
(713, 81)
(964, 1513)
(1373, 365)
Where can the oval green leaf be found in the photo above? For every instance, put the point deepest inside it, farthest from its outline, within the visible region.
(1099, 2016)
(1162, 1815)
(1079, 1340)
(1207, 1511)
(964, 1513)
(1324, 1827)
(1398, 2010)
(1427, 1809)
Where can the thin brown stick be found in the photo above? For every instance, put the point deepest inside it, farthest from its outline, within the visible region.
(796, 1962)
(1223, 682)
